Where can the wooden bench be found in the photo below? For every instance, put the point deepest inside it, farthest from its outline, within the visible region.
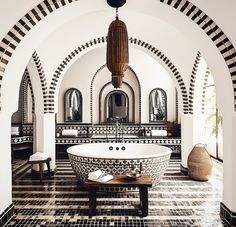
(142, 183)
(41, 163)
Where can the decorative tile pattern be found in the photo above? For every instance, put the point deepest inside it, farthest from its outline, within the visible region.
(155, 167)
(6, 215)
(110, 129)
(106, 131)
(43, 81)
(61, 201)
(192, 82)
(227, 215)
(83, 129)
(21, 139)
(72, 141)
(27, 129)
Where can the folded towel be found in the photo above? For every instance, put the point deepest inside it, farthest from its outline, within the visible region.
(15, 133)
(159, 133)
(69, 132)
(38, 156)
(15, 129)
(103, 179)
(95, 174)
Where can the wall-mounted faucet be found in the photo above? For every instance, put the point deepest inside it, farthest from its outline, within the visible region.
(118, 125)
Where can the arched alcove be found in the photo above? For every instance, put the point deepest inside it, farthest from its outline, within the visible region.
(129, 95)
(101, 86)
(116, 107)
(73, 105)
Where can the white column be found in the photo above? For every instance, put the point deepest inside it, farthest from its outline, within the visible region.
(229, 162)
(198, 128)
(5, 162)
(44, 135)
(186, 137)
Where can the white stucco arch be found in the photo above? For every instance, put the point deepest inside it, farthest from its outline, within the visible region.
(83, 8)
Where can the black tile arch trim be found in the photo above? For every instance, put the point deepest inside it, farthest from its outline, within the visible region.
(157, 53)
(91, 90)
(31, 90)
(204, 89)
(227, 215)
(214, 32)
(28, 21)
(6, 215)
(43, 81)
(192, 82)
(139, 87)
(25, 83)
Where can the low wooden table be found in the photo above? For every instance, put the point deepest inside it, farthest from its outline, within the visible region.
(40, 163)
(142, 183)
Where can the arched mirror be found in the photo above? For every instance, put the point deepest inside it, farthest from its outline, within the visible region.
(117, 106)
(73, 105)
(158, 106)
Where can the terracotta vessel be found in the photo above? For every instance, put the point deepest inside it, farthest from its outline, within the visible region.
(199, 163)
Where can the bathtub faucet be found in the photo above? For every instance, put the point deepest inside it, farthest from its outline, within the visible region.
(118, 125)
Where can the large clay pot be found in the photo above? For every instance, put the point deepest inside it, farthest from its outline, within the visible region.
(199, 163)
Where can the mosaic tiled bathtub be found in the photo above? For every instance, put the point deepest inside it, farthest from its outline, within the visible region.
(117, 158)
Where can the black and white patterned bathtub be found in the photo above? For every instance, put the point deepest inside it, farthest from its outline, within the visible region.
(117, 158)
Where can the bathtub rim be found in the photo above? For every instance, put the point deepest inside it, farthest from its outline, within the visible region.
(156, 155)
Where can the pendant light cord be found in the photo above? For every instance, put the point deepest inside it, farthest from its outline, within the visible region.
(117, 16)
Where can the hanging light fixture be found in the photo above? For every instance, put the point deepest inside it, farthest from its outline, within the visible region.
(117, 56)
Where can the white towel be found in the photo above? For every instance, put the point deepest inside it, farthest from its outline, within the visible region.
(38, 156)
(95, 174)
(69, 132)
(159, 133)
(104, 178)
(15, 131)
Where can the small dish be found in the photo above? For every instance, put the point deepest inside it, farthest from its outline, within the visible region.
(133, 176)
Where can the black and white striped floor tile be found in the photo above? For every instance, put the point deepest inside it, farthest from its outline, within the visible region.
(61, 201)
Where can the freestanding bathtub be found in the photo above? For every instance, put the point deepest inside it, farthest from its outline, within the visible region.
(117, 158)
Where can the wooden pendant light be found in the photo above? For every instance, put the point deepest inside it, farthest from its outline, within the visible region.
(117, 51)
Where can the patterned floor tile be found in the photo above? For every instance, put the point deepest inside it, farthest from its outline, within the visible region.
(62, 201)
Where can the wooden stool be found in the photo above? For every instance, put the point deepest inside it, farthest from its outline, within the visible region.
(142, 183)
(40, 163)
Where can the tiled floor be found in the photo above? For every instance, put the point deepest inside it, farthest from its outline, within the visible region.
(61, 201)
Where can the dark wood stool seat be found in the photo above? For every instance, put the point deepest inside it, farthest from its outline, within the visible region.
(40, 163)
(142, 183)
